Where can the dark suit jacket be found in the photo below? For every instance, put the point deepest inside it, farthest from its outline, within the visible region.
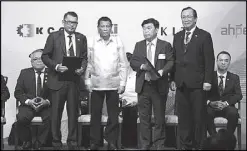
(26, 86)
(4, 90)
(232, 92)
(162, 47)
(55, 50)
(196, 65)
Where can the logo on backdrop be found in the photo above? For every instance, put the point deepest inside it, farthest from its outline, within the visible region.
(25, 30)
(29, 30)
(237, 30)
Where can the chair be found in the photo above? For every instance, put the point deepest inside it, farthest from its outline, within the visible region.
(3, 119)
(221, 122)
(36, 121)
(84, 120)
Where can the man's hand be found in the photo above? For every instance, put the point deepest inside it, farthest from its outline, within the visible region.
(160, 72)
(172, 85)
(206, 86)
(215, 105)
(146, 67)
(33, 104)
(121, 89)
(89, 88)
(83, 103)
(222, 105)
(61, 68)
(42, 103)
(79, 71)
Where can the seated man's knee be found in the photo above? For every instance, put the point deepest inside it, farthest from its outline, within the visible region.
(210, 111)
(232, 112)
(23, 120)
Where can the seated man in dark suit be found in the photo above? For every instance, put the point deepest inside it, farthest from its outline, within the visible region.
(223, 96)
(32, 92)
(129, 112)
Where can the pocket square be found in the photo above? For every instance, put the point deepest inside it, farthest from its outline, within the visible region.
(162, 56)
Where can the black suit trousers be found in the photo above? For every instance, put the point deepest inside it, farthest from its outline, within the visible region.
(24, 118)
(191, 110)
(229, 112)
(112, 127)
(129, 127)
(70, 93)
(146, 99)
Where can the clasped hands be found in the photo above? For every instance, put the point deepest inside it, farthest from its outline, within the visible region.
(62, 69)
(146, 67)
(218, 105)
(38, 103)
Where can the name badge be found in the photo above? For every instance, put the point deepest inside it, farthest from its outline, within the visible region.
(162, 56)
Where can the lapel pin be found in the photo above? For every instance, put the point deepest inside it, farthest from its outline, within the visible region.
(78, 39)
(227, 79)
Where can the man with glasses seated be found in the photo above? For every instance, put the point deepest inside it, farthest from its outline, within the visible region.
(32, 93)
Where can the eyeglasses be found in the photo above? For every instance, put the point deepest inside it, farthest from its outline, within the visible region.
(103, 26)
(36, 59)
(189, 17)
(71, 22)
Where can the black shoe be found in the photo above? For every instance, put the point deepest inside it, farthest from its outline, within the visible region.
(145, 148)
(37, 145)
(160, 147)
(94, 147)
(27, 145)
(57, 148)
(72, 145)
(112, 146)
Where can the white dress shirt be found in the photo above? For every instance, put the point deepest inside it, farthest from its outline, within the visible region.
(224, 79)
(36, 81)
(153, 47)
(224, 84)
(67, 42)
(190, 35)
(107, 67)
(129, 94)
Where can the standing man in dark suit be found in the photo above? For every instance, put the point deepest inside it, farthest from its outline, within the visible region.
(194, 66)
(225, 93)
(32, 92)
(152, 91)
(62, 43)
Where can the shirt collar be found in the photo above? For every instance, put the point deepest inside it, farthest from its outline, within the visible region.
(154, 41)
(224, 75)
(98, 38)
(66, 34)
(191, 31)
(42, 71)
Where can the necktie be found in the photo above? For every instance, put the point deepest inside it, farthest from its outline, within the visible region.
(39, 84)
(221, 85)
(71, 50)
(149, 56)
(187, 37)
